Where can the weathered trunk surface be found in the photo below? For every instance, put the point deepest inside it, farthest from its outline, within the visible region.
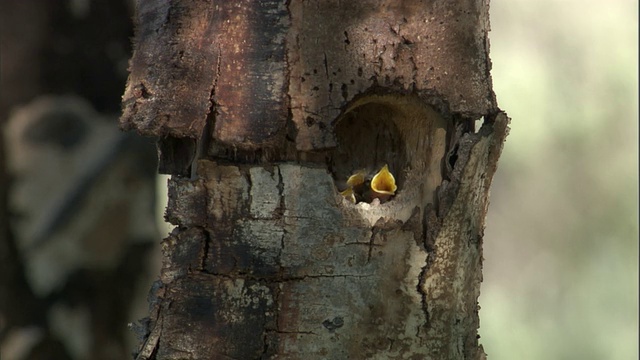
(263, 109)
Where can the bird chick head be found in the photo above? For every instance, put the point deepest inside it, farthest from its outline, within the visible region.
(362, 187)
(383, 182)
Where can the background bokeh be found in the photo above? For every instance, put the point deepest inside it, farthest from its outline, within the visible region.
(561, 239)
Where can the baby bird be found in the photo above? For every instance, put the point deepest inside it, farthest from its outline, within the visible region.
(364, 187)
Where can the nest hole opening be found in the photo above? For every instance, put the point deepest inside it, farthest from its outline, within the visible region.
(370, 160)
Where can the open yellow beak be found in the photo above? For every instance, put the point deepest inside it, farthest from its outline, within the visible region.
(349, 195)
(383, 182)
(356, 179)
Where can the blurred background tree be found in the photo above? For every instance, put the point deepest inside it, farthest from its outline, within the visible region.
(561, 241)
(78, 232)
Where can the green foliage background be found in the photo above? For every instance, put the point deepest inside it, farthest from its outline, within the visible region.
(561, 242)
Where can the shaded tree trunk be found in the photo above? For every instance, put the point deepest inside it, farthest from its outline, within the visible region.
(263, 110)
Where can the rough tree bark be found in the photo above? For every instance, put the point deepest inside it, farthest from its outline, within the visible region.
(262, 110)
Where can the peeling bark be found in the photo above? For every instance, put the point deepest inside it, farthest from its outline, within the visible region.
(267, 259)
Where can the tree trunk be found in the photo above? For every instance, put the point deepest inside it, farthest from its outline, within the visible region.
(263, 111)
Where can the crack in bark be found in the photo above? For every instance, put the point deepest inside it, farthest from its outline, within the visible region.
(367, 244)
(326, 65)
(374, 232)
(414, 72)
(205, 255)
(294, 332)
(423, 294)
(280, 278)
